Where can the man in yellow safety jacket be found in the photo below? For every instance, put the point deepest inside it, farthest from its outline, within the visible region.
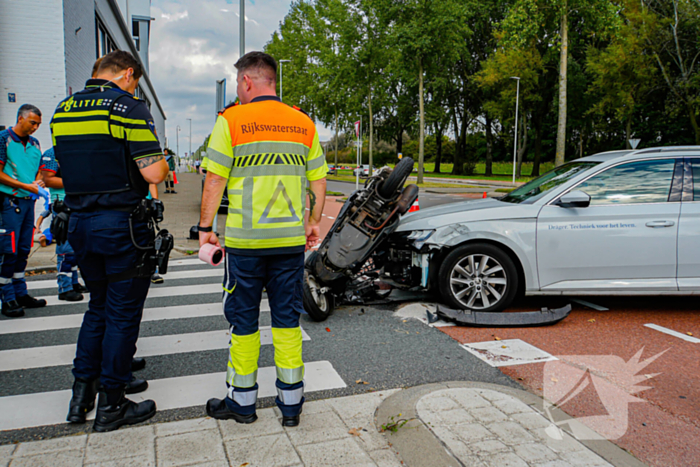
(263, 152)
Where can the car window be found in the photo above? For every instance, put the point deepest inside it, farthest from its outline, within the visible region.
(632, 183)
(535, 189)
(695, 165)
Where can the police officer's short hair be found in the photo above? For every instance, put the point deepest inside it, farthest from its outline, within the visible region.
(120, 60)
(26, 109)
(258, 61)
(96, 66)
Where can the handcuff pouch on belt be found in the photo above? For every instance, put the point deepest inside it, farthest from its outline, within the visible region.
(59, 223)
(156, 253)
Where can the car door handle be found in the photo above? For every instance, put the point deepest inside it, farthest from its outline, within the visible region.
(657, 224)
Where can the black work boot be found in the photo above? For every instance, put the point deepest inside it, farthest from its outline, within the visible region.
(27, 301)
(80, 288)
(115, 410)
(136, 385)
(70, 296)
(138, 364)
(217, 408)
(83, 400)
(12, 309)
(291, 421)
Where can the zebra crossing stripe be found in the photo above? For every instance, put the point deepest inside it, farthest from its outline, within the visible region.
(154, 292)
(51, 323)
(189, 262)
(198, 273)
(57, 355)
(50, 408)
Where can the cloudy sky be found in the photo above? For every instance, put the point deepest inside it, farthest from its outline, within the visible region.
(193, 44)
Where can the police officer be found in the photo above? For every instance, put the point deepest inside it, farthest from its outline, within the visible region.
(264, 152)
(105, 141)
(20, 157)
(69, 287)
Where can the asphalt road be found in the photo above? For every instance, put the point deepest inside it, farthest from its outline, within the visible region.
(359, 343)
(426, 199)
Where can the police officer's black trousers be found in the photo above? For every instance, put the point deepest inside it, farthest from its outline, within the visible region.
(107, 339)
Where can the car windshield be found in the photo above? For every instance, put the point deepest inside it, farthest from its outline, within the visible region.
(535, 189)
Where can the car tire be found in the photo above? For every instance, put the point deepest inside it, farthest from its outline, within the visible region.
(396, 178)
(318, 306)
(478, 277)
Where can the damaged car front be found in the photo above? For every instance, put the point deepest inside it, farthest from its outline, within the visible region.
(471, 254)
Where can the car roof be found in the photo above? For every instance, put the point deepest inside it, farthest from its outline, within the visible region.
(649, 152)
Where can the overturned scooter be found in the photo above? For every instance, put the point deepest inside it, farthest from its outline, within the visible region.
(365, 220)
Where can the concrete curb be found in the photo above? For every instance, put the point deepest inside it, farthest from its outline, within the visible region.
(418, 446)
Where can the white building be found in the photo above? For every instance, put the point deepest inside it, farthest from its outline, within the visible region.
(49, 46)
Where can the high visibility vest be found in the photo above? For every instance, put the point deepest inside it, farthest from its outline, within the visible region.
(268, 151)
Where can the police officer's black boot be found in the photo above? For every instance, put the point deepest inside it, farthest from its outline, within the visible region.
(12, 309)
(27, 301)
(115, 410)
(83, 400)
(136, 385)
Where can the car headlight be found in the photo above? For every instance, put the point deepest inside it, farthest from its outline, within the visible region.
(419, 236)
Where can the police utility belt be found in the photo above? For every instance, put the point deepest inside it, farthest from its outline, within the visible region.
(155, 254)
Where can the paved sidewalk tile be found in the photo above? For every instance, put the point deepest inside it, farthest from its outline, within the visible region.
(333, 432)
(190, 448)
(498, 430)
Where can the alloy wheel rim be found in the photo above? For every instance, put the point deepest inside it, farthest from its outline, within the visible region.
(319, 298)
(478, 281)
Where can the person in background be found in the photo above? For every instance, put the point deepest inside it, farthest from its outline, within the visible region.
(69, 288)
(20, 157)
(169, 182)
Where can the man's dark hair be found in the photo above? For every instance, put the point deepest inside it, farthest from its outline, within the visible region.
(96, 66)
(26, 109)
(258, 61)
(120, 60)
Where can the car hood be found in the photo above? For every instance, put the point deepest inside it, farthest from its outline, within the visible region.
(464, 211)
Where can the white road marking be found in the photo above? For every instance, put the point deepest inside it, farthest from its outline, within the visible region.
(52, 284)
(188, 262)
(51, 323)
(56, 355)
(673, 333)
(50, 408)
(330, 217)
(153, 292)
(590, 305)
(508, 352)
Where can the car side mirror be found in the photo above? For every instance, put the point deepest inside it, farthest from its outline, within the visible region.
(575, 199)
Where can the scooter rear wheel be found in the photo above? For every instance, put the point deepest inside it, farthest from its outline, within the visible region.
(318, 304)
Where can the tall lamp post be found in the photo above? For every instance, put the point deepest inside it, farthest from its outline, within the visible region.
(515, 145)
(177, 140)
(281, 63)
(190, 153)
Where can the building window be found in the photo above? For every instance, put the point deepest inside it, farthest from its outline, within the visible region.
(104, 42)
(138, 92)
(135, 33)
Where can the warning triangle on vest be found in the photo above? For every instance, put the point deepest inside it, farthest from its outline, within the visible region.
(266, 219)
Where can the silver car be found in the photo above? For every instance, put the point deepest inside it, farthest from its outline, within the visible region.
(616, 223)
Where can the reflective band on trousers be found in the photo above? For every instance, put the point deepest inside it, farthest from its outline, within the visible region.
(241, 381)
(18, 275)
(290, 375)
(5, 280)
(290, 396)
(243, 398)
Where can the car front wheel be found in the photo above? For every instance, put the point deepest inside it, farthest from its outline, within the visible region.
(479, 277)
